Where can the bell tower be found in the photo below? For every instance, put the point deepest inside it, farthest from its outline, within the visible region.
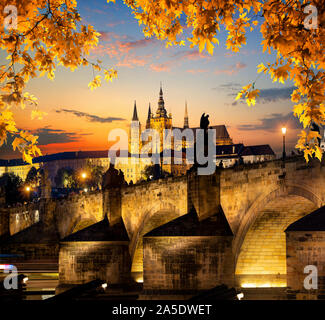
(161, 120)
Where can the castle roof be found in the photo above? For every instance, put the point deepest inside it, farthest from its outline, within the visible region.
(229, 149)
(221, 131)
(263, 149)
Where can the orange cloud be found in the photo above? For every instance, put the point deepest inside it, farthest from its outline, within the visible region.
(195, 71)
(177, 59)
(132, 45)
(132, 61)
(233, 69)
(162, 67)
(190, 55)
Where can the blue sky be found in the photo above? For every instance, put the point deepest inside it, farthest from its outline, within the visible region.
(208, 83)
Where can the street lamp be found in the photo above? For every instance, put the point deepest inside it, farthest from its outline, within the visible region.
(284, 131)
(84, 175)
(28, 190)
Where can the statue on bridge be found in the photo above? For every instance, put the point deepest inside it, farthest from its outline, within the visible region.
(113, 178)
(204, 122)
(204, 125)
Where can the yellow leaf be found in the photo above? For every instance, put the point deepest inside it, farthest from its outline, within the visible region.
(210, 47)
(28, 158)
(18, 142)
(318, 153)
(261, 68)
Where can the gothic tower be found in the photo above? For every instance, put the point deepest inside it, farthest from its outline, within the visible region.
(149, 117)
(186, 117)
(135, 130)
(161, 111)
(161, 121)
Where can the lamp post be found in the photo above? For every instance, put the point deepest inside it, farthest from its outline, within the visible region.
(84, 177)
(284, 131)
(28, 190)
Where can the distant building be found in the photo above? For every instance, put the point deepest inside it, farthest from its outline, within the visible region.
(230, 154)
(226, 151)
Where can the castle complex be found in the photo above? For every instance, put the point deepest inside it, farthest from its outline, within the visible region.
(226, 152)
(161, 120)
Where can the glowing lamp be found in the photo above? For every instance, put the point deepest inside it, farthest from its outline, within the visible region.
(284, 130)
(104, 286)
(240, 296)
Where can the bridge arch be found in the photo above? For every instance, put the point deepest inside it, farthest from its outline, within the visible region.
(152, 218)
(81, 222)
(259, 245)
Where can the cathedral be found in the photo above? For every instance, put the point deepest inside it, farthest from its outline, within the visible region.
(161, 120)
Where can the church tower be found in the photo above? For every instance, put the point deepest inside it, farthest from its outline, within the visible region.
(161, 111)
(161, 120)
(135, 130)
(186, 117)
(149, 117)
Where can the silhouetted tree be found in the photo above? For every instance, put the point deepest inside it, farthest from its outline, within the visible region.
(32, 177)
(66, 178)
(95, 176)
(13, 186)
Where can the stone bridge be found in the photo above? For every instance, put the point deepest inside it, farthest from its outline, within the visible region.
(259, 202)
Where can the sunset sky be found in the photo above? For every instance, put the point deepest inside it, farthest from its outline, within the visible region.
(80, 119)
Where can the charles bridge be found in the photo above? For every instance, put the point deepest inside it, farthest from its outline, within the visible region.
(182, 233)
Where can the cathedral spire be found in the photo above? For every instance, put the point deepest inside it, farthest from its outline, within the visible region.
(161, 91)
(149, 117)
(161, 111)
(135, 113)
(149, 111)
(186, 116)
